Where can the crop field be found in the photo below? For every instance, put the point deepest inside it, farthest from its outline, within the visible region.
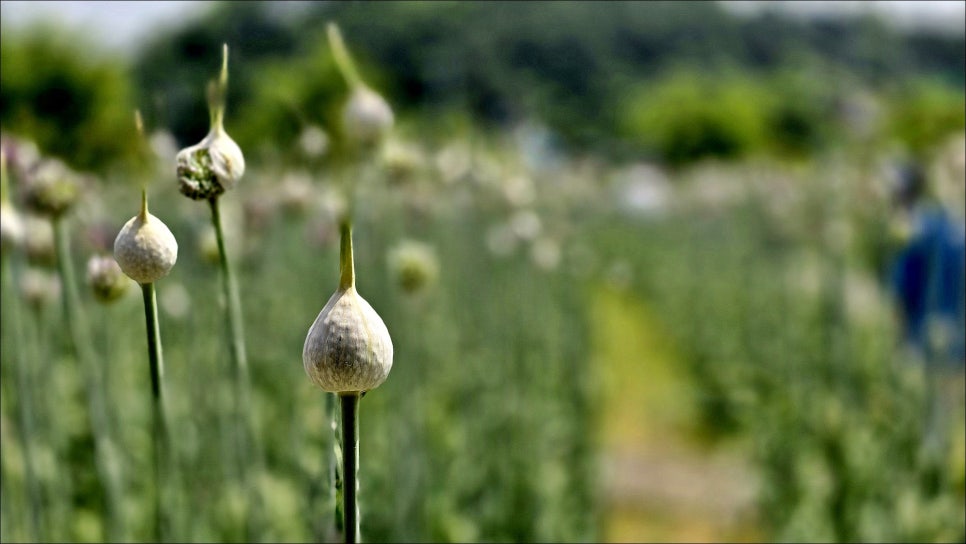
(662, 346)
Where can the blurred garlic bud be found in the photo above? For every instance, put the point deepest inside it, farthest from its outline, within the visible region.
(402, 160)
(215, 164)
(413, 265)
(500, 240)
(164, 147)
(11, 227)
(145, 249)
(545, 253)
(38, 241)
(39, 287)
(295, 193)
(519, 191)
(525, 224)
(52, 189)
(367, 116)
(313, 141)
(106, 279)
(175, 300)
(348, 348)
(22, 156)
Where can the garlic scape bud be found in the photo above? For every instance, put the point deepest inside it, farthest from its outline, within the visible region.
(11, 224)
(215, 164)
(106, 279)
(366, 117)
(348, 348)
(145, 249)
(52, 189)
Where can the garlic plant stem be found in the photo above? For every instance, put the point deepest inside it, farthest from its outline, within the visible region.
(79, 342)
(230, 291)
(342, 58)
(335, 469)
(247, 440)
(24, 400)
(159, 430)
(350, 460)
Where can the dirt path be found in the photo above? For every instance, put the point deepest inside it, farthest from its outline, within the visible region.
(662, 483)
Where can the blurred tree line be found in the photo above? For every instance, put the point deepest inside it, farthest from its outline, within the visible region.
(674, 81)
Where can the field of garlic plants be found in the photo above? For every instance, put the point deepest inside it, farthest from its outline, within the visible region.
(501, 270)
(485, 266)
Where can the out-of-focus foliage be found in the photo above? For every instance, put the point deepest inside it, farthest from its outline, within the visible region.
(692, 115)
(74, 101)
(758, 253)
(921, 115)
(570, 64)
(596, 77)
(173, 69)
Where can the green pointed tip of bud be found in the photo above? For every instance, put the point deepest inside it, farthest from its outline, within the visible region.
(144, 203)
(223, 76)
(139, 123)
(347, 266)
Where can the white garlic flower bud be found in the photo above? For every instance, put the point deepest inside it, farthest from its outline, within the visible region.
(106, 279)
(11, 224)
(348, 348)
(367, 117)
(211, 167)
(215, 164)
(11, 227)
(39, 287)
(145, 249)
(413, 265)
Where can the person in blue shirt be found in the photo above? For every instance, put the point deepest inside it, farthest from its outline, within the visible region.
(926, 274)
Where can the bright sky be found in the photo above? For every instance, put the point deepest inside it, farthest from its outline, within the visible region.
(115, 24)
(125, 23)
(946, 15)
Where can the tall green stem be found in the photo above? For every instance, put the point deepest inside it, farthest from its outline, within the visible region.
(335, 463)
(247, 440)
(24, 400)
(159, 429)
(230, 292)
(342, 58)
(107, 468)
(350, 460)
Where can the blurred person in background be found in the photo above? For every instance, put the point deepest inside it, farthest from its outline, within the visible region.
(926, 275)
(926, 279)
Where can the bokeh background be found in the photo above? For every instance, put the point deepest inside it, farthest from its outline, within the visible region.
(638, 261)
